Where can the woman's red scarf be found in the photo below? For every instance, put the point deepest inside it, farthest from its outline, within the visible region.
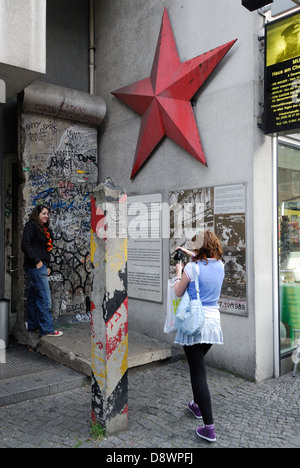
(49, 243)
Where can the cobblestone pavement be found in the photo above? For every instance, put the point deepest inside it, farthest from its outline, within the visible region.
(246, 414)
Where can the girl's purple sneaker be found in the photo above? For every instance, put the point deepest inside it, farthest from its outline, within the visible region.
(194, 409)
(207, 433)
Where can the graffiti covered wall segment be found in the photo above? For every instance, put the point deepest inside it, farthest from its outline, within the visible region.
(59, 159)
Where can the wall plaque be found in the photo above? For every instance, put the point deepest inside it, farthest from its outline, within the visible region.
(144, 220)
(282, 75)
(221, 210)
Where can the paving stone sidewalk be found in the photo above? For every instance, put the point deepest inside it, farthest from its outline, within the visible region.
(246, 414)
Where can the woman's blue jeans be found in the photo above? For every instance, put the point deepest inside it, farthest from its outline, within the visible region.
(39, 301)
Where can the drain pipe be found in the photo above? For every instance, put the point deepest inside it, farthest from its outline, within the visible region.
(92, 47)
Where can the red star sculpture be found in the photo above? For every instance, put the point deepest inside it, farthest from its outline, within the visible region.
(164, 98)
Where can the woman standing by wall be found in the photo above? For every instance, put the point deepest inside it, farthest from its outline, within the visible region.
(210, 269)
(37, 243)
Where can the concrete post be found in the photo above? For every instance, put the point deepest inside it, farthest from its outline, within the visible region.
(109, 334)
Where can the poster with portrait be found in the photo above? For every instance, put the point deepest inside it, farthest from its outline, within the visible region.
(222, 210)
(282, 75)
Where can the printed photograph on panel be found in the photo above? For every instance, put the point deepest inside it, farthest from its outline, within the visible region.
(230, 229)
(190, 211)
(215, 209)
(283, 40)
(234, 290)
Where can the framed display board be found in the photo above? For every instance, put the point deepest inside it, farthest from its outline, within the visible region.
(222, 210)
(144, 223)
(282, 75)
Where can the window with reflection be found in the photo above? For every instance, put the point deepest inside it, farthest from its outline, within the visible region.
(289, 246)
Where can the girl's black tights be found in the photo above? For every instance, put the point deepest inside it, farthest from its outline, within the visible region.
(195, 356)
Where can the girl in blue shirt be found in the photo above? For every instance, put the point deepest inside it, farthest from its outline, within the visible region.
(210, 269)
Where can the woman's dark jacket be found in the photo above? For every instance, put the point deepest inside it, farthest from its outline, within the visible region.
(34, 245)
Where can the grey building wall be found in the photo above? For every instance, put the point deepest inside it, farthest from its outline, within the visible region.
(67, 43)
(227, 112)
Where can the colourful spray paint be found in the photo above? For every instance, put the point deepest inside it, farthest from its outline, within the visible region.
(109, 314)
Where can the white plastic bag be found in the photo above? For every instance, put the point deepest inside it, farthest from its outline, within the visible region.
(172, 304)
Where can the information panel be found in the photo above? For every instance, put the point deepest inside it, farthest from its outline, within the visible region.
(144, 247)
(282, 75)
(222, 210)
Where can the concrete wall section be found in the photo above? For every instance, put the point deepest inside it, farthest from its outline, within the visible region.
(227, 110)
(22, 33)
(23, 43)
(59, 163)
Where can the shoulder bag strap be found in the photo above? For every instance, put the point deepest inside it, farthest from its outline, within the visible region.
(196, 280)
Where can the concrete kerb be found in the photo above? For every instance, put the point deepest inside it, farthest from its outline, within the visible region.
(73, 349)
(69, 362)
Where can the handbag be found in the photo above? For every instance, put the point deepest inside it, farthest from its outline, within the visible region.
(189, 318)
(172, 304)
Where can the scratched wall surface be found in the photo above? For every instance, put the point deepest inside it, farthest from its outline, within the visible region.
(59, 162)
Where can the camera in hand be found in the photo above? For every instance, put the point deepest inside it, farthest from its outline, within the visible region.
(179, 256)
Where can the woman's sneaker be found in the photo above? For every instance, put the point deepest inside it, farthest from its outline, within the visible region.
(207, 433)
(194, 409)
(56, 333)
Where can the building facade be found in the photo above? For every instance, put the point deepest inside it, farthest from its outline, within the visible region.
(247, 193)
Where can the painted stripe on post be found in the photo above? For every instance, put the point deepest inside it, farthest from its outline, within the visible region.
(109, 332)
